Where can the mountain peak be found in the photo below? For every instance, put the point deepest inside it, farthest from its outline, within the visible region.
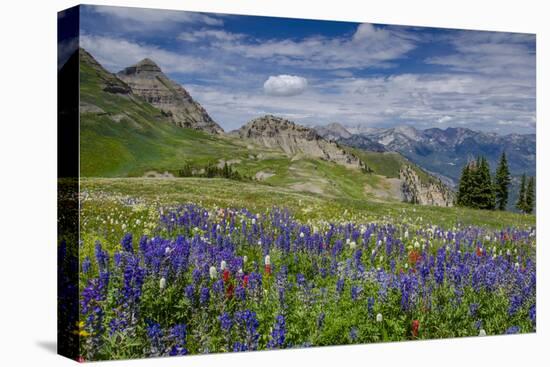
(149, 82)
(145, 66)
(333, 131)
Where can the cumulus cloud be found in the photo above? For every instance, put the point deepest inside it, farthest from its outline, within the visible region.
(285, 85)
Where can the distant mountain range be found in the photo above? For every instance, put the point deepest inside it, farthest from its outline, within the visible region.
(442, 151)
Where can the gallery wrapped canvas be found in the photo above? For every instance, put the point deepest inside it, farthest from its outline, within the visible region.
(235, 183)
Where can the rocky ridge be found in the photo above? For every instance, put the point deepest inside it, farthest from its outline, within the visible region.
(276, 132)
(147, 80)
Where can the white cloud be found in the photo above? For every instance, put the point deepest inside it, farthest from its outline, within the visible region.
(490, 53)
(368, 46)
(423, 101)
(209, 34)
(116, 54)
(285, 85)
(144, 19)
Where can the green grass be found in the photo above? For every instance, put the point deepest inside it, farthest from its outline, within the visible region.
(217, 192)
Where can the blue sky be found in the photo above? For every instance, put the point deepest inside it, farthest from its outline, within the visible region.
(317, 72)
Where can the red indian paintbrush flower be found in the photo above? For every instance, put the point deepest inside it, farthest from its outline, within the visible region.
(245, 281)
(229, 291)
(479, 252)
(415, 326)
(226, 275)
(268, 269)
(414, 258)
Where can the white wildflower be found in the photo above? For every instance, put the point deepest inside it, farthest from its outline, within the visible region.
(267, 260)
(213, 272)
(162, 283)
(245, 258)
(379, 317)
(223, 265)
(482, 332)
(302, 234)
(352, 245)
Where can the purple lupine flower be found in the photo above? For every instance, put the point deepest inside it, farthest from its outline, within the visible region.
(340, 286)
(512, 330)
(204, 296)
(355, 290)
(190, 292)
(225, 321)
(248, 322)
(278, 334)
(155, 335)
(127, 243)
(178, 335)
(86, 265)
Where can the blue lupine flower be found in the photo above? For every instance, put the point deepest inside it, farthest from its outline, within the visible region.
(127, 243)
(512, 330)
(533, 314)
(225, 321)
(190, 292)
(340, 286)
(86, 264)
(278, 334)
(353, 334)
(204, 296)
(178, 335)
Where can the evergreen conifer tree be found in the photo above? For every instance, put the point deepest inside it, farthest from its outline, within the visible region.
(462, 198)
(502, 182)
(530, 196)
(520, 204)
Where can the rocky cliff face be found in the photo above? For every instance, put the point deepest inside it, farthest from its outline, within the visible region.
(147, 80)
(415, 191)
(276, 132)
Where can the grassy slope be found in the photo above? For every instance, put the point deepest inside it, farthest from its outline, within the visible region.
(143, 140)
(306, 206)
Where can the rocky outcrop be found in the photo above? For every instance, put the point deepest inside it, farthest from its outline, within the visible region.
(432, 192)
(147, 80)
(276, 132)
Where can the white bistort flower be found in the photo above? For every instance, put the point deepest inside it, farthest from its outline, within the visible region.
(482, 332)
(162, 283)
(267, 260)
(213, 272)
(223, 265)
(245, 258)
(379, 317)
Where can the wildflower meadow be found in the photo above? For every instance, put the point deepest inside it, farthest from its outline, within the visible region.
(192, 279)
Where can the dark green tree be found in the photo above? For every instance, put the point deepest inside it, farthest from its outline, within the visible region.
(483, 189)
(520, 204)
(502, 182)
(463, 196)
(530, 196)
